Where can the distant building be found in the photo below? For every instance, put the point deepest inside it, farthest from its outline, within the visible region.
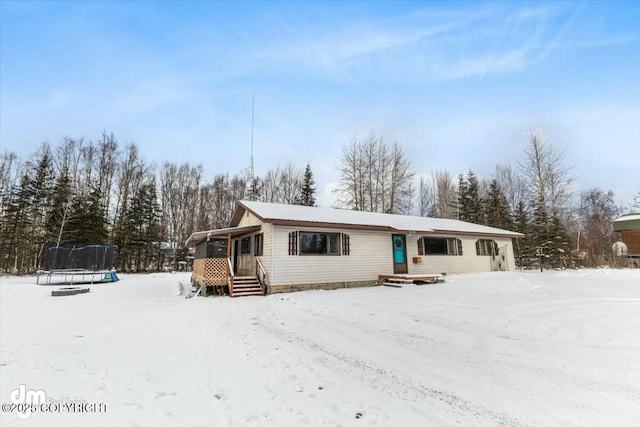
(629, 227)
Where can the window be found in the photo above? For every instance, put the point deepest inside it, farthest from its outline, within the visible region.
(245, 245)
(319, 243)
(316, 243)
(486, 247)
(212, 248)
(439, 246)
(258, 244)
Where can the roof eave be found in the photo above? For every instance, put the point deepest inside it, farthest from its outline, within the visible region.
(199, 236)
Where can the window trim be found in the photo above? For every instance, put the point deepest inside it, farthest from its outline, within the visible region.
(327, 233)
(343, 243)
(422, 249)
(482, 246)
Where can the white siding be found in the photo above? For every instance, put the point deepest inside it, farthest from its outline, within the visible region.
(468, 262)
(249, 219)
(246, 263)
(370, 255)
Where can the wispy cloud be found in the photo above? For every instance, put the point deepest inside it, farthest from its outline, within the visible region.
(436, 45)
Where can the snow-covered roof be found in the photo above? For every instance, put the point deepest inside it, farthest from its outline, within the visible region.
(627, 222)
(346, 218)
(199, 236)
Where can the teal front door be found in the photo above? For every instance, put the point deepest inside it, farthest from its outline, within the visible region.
(399, 254)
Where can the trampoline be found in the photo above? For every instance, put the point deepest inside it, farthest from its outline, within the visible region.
(78, 264)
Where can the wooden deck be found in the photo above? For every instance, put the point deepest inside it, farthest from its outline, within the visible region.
(399, 280)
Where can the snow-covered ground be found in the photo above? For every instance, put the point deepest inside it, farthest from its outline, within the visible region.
(524, 348)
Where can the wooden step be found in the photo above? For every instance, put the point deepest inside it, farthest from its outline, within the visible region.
(246, 286)
(237, 288)
(248, 294)
(399, 280)
(396, 285)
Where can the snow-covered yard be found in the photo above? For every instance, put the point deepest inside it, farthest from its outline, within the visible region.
(525, 348)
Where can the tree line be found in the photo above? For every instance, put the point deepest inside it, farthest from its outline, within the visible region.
(102, 192)
(533, 196)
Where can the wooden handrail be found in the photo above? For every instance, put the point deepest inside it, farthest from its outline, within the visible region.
(230, 276)
(261, 274)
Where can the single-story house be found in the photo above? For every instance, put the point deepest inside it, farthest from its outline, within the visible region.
(270, 248)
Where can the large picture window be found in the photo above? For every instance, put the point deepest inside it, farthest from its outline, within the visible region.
(319, 243)
(486, 247)
(439, 246)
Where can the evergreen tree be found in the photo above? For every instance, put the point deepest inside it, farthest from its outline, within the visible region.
(58, 209)
(255, 189)
(539, 233)
(560, 247)
(15, 225)
(139, 235)
(463, 197)
(87, 222)
(470, 202)
(307, 197)
(143, 219)
(42, 185)
(495, 207)
(521, 223)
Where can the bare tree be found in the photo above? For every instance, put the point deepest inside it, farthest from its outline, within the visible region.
(548, 181)
(107, 161)
(401, 190)
(426, 201)
(87, 167)
(126, 172)
(596, 236)
(375, 177)
(512, 185)
(67, 158)
(10, 172)
(180, 188)
(291, 180)
(437, 197)
(546, 176)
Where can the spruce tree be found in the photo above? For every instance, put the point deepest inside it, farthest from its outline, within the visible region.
(496, 209)
(255, 189)
(58, 209)
(87, 223)
(463, 196)
(16, 222)
(522, 248)
(471, 209)
(560, 247)
(42, 185)
(308, 190)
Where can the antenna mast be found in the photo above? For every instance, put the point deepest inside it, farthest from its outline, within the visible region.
(252, 115)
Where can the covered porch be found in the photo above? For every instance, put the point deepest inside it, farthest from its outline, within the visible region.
(216, 265)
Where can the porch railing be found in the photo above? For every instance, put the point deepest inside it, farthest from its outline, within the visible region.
(230, 275)
(261, 274)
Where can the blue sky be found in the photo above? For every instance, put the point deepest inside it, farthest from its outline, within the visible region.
(458, 84)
